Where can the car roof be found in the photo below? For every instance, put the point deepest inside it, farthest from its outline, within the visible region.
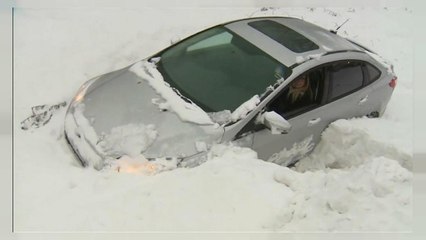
(326, 41)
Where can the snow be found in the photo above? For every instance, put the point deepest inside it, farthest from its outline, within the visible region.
(344, 144)
(358, 179)
(221, 117)
(131, 139)
(245, 108)
(301, 59)
(189, 112)
(277, 123)
(345, 196)
(298, 150)
(201, 146)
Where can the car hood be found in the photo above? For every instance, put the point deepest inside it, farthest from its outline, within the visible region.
(122, 114)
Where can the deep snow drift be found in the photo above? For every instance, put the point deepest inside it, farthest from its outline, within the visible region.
(357, 179)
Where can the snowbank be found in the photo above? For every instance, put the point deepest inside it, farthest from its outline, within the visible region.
(346, 144)
(368, 197)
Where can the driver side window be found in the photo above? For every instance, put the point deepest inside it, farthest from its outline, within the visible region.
(304, 93)
(294, 100)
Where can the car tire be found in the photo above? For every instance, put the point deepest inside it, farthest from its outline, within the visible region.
(374, 114)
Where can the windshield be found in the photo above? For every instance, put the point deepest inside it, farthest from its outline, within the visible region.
(218, 70)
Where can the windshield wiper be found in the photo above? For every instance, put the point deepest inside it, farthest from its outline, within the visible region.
(181, 96)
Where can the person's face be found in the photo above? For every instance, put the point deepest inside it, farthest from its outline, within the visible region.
(299, 82)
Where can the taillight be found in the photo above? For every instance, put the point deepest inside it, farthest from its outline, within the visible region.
(392, 83)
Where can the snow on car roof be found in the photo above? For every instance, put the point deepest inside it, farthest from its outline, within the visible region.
(327, 41)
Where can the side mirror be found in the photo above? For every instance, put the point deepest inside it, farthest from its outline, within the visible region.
(275, 122)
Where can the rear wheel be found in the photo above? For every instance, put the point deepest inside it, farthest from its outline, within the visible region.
(374, 114)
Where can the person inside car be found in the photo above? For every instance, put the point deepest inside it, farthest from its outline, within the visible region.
(299, 94)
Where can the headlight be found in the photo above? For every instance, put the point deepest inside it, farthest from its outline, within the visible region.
(82, 90)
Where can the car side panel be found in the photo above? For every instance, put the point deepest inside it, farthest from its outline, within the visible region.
(378, 95)
(300, 140)
(348, 106)
(304, 135)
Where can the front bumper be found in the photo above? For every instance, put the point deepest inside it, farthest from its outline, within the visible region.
(86, 150)
(76, 153)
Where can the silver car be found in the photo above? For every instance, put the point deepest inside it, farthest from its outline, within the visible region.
(271, 83)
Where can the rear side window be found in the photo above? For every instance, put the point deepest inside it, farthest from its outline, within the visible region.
(373, 73)
(346, 77)
(285, 36)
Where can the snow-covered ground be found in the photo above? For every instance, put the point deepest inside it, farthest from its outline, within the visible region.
(357, 179)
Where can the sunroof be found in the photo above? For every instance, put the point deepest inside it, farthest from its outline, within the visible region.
(285, 36)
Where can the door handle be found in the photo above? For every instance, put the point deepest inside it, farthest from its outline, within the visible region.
(314, 121)
(363, 100)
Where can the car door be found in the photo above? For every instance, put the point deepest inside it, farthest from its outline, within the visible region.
(338, 96)
(347, 97)
(377, 90)
(306, 121)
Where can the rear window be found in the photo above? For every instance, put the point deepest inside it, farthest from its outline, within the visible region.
(285, 36)
(373, 73)
(345, 77)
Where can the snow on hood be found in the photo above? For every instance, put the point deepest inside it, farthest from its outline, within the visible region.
(130, 139)
(189, 112)
(117, 117)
